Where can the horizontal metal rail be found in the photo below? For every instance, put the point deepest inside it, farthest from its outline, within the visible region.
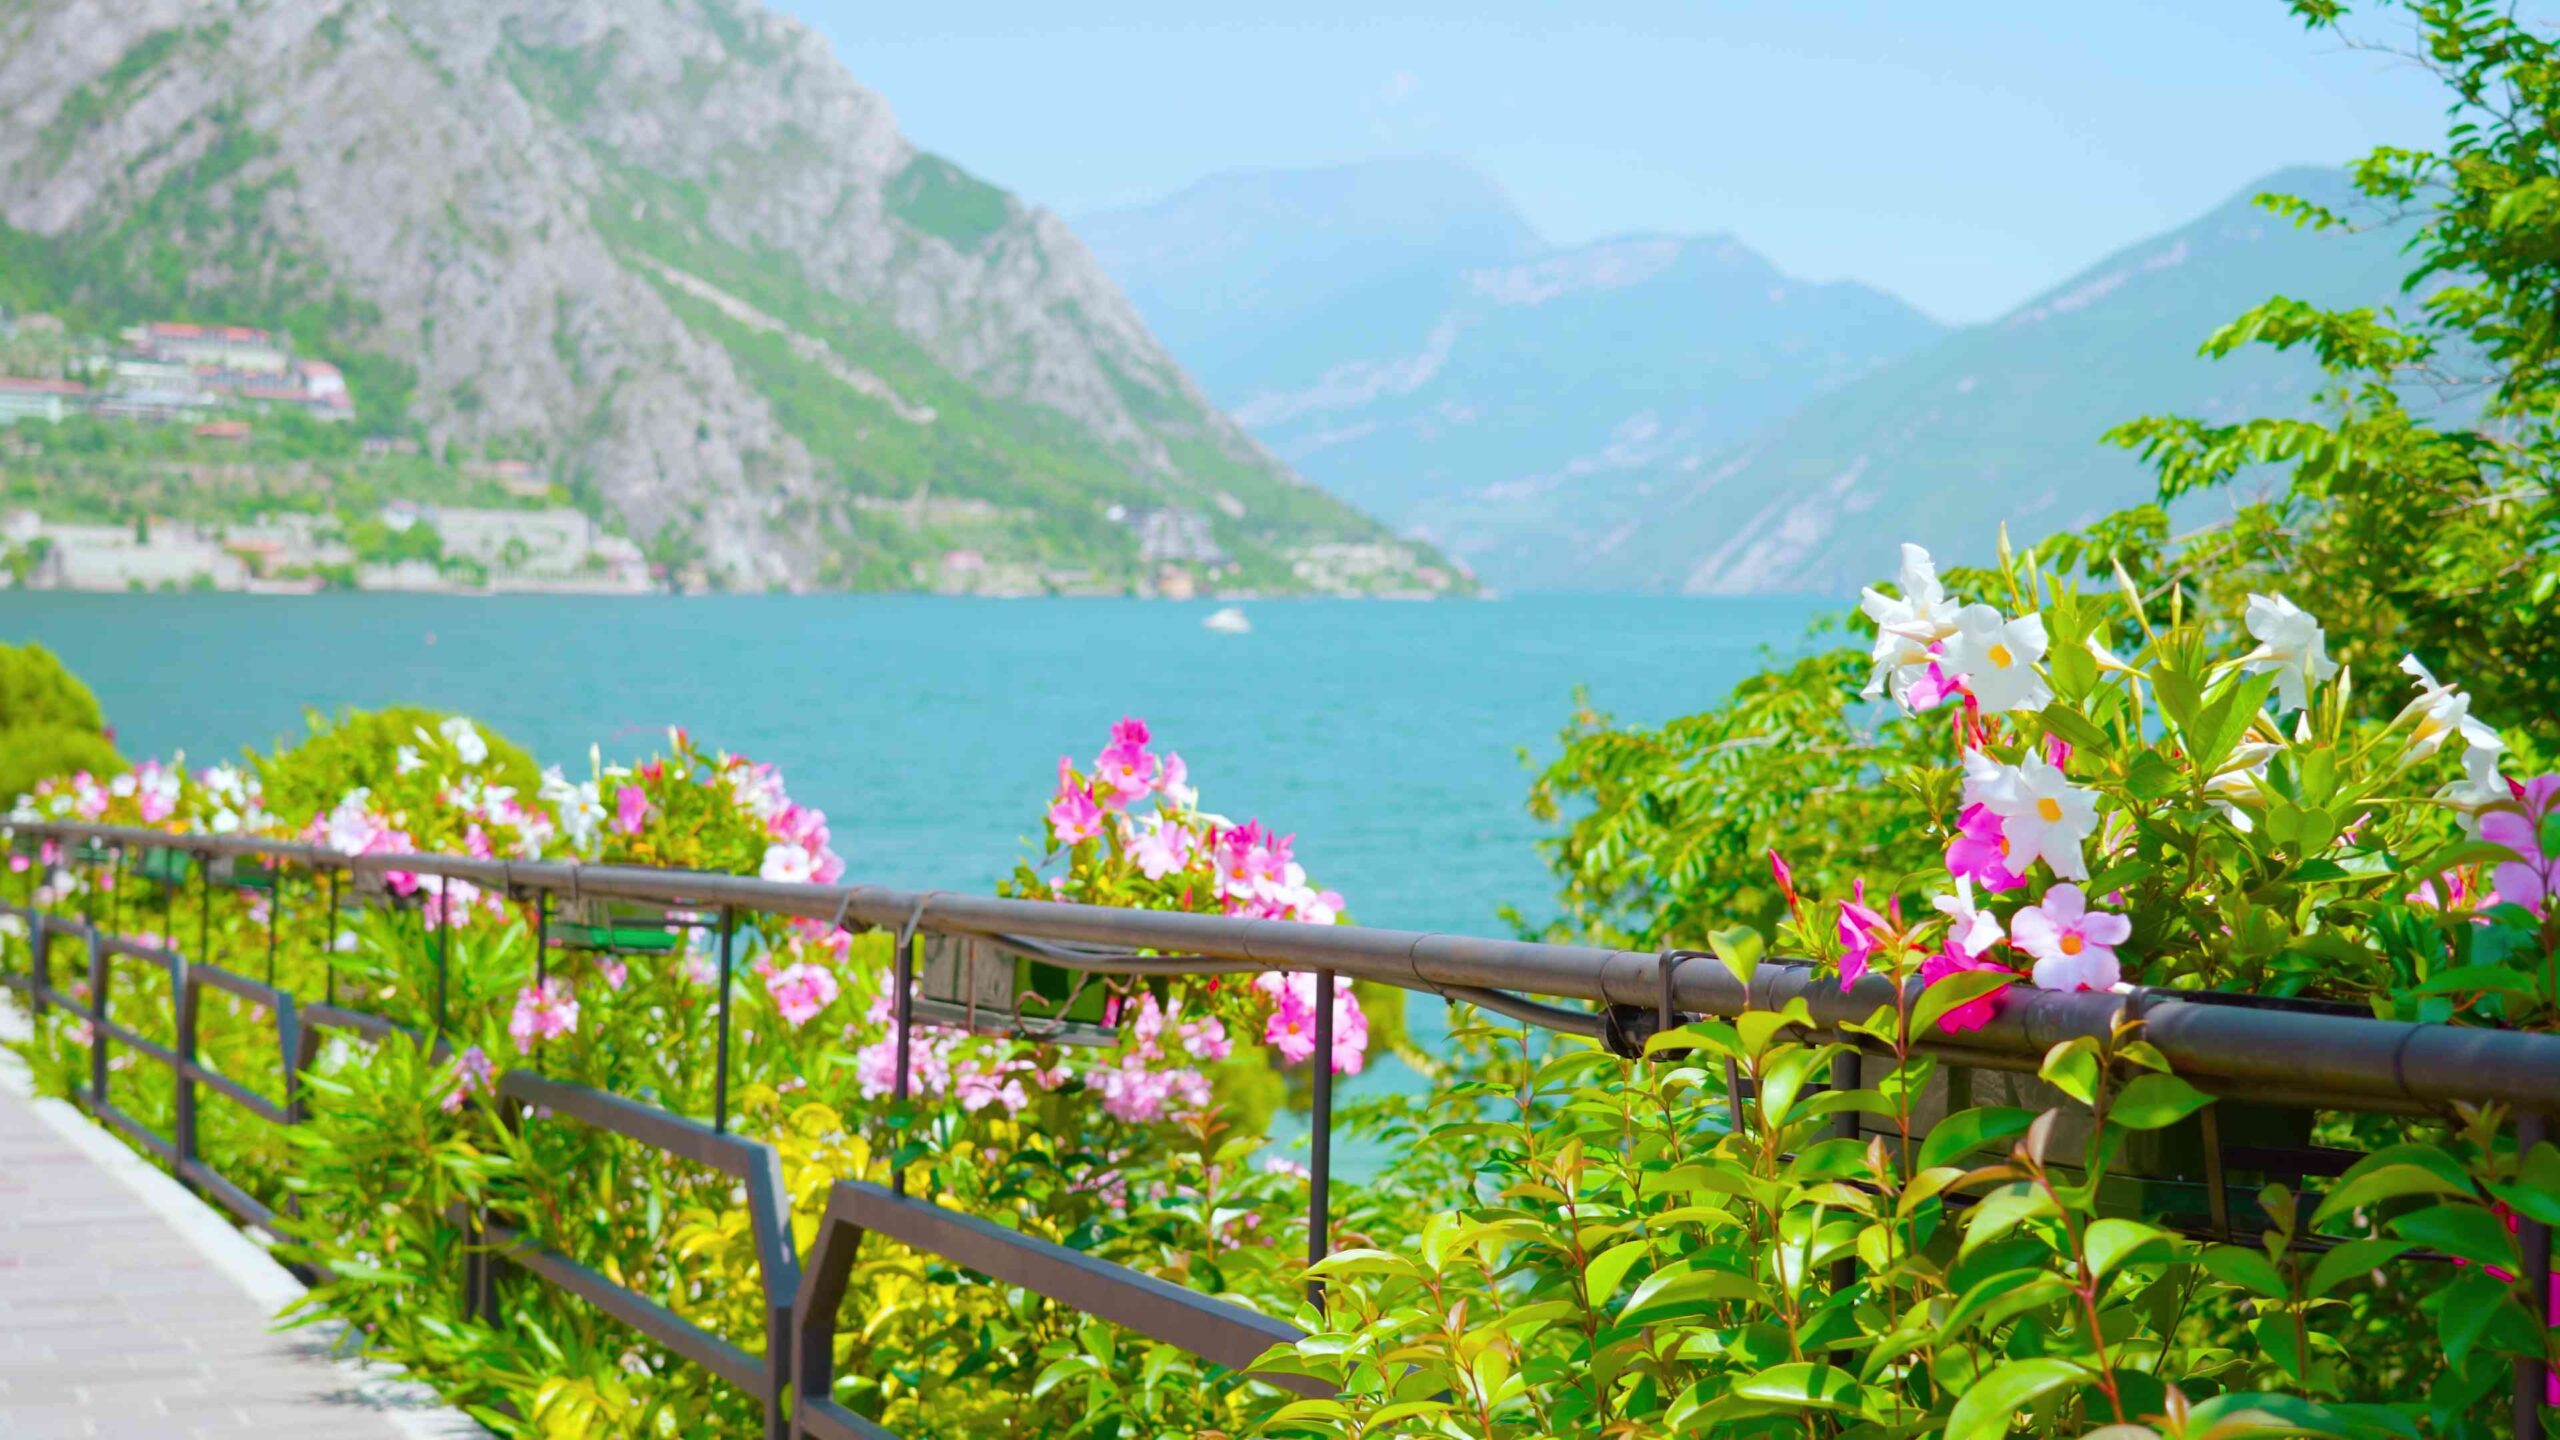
(2324, 1061)
(1218, 1331)
(752, 1163)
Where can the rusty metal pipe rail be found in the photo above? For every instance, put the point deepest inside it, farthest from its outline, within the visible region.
(2330, 1062)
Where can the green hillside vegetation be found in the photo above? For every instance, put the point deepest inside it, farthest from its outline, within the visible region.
(1021, 458)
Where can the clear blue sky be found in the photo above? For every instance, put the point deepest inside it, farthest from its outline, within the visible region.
(1963, 153)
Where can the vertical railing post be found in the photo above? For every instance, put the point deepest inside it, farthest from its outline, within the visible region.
(39, 961)
(186, 997)
(905, 980)
(329, 942)
(720, 1077)
(275, 915)
(97, 1017)
(443, 968)
(2533, 1373)
(1845, 1077)
(1320, 1139)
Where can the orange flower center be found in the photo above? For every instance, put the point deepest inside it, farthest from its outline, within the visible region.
(2000, 657)
(2071, 943)
(2050, 809)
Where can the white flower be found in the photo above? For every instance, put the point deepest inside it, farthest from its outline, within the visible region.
(406, 760)
(2291, 644)
(580, 808)
(1908, 625)
(2042, 815)
(2236, 783)
(1997, 658)
(2481, 785)
(787, 863)
(1970, 930)
(466, 742)
(2442, 712)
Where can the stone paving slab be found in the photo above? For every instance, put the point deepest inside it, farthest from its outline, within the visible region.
(131, 1311)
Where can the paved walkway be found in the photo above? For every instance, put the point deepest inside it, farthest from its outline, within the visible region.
(129, 1310)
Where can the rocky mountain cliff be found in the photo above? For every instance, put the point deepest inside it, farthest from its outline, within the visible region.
(673, 249)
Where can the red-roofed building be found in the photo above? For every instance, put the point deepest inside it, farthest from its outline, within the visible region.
(234, 431)
(47, 400)
(217, 347)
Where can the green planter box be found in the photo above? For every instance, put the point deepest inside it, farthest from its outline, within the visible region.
(972, 984)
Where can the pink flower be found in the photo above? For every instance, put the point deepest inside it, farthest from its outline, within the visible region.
(1785, 875)
(1283, 1165)
(2074, 946)
(1980, 852)
(630, 809)
(473, 1073)
(977, 1088)
(613, 970)
(1162, 848)
(1859, 929)
(2531, 879)
(1933, 688)
(1125, 767)
(1073, 817)
(800, 991)
(1173, 782)
(1291, 1029)
(546, 1011)
(1972, 1014)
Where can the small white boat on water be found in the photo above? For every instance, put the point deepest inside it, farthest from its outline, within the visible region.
(1229, 621)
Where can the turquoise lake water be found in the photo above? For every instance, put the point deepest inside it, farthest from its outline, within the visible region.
(1386, 735)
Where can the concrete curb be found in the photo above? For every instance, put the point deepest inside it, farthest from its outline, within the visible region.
(411, 1407)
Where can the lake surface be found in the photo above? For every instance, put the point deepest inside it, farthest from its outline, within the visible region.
(1387, 736)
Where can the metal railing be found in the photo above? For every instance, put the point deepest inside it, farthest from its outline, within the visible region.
(2305, 1059)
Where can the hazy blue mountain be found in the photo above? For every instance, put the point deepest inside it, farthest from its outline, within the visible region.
(1401, 336)
(1994, 423)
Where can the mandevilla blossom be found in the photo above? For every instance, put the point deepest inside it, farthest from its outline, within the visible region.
(2042, 815)
(1073, 817)
(2074, 945)
(1977, 1012)
(467, 745)
(786, 864)
(2291, 645)
(1969, 930)
(2533, 877)
(545, 1011)
(1162, 848)
(473, 1072)
(1910, 628)
(1980, 852)
(800, 991)
(1997, 658)
(1859, 929)
(1172, 782)
(630, 809)
(1125, 767)
(610, 966)
(2442, 712)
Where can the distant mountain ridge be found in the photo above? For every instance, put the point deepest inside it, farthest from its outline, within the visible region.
(672, 249)
(1676, 413)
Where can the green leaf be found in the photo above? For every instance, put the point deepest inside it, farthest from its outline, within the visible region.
(2352, 1259)
(2470, 1304)
(1966, 1131)
(2152, 1102)
(2072, 1068)
(2391, 1172)
(2152, 777)
(1983, 1412)
(1670, 1293)
(1602, 1276)
(2071, 725)
(2467, 1230)
(2251, 1270)
(1740, 948)
(2535, 1193)
(2112, 1243)
(1803, 1385)
(1960, 988)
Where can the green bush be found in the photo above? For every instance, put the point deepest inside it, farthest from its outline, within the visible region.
(361, 748)
(49, 722)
